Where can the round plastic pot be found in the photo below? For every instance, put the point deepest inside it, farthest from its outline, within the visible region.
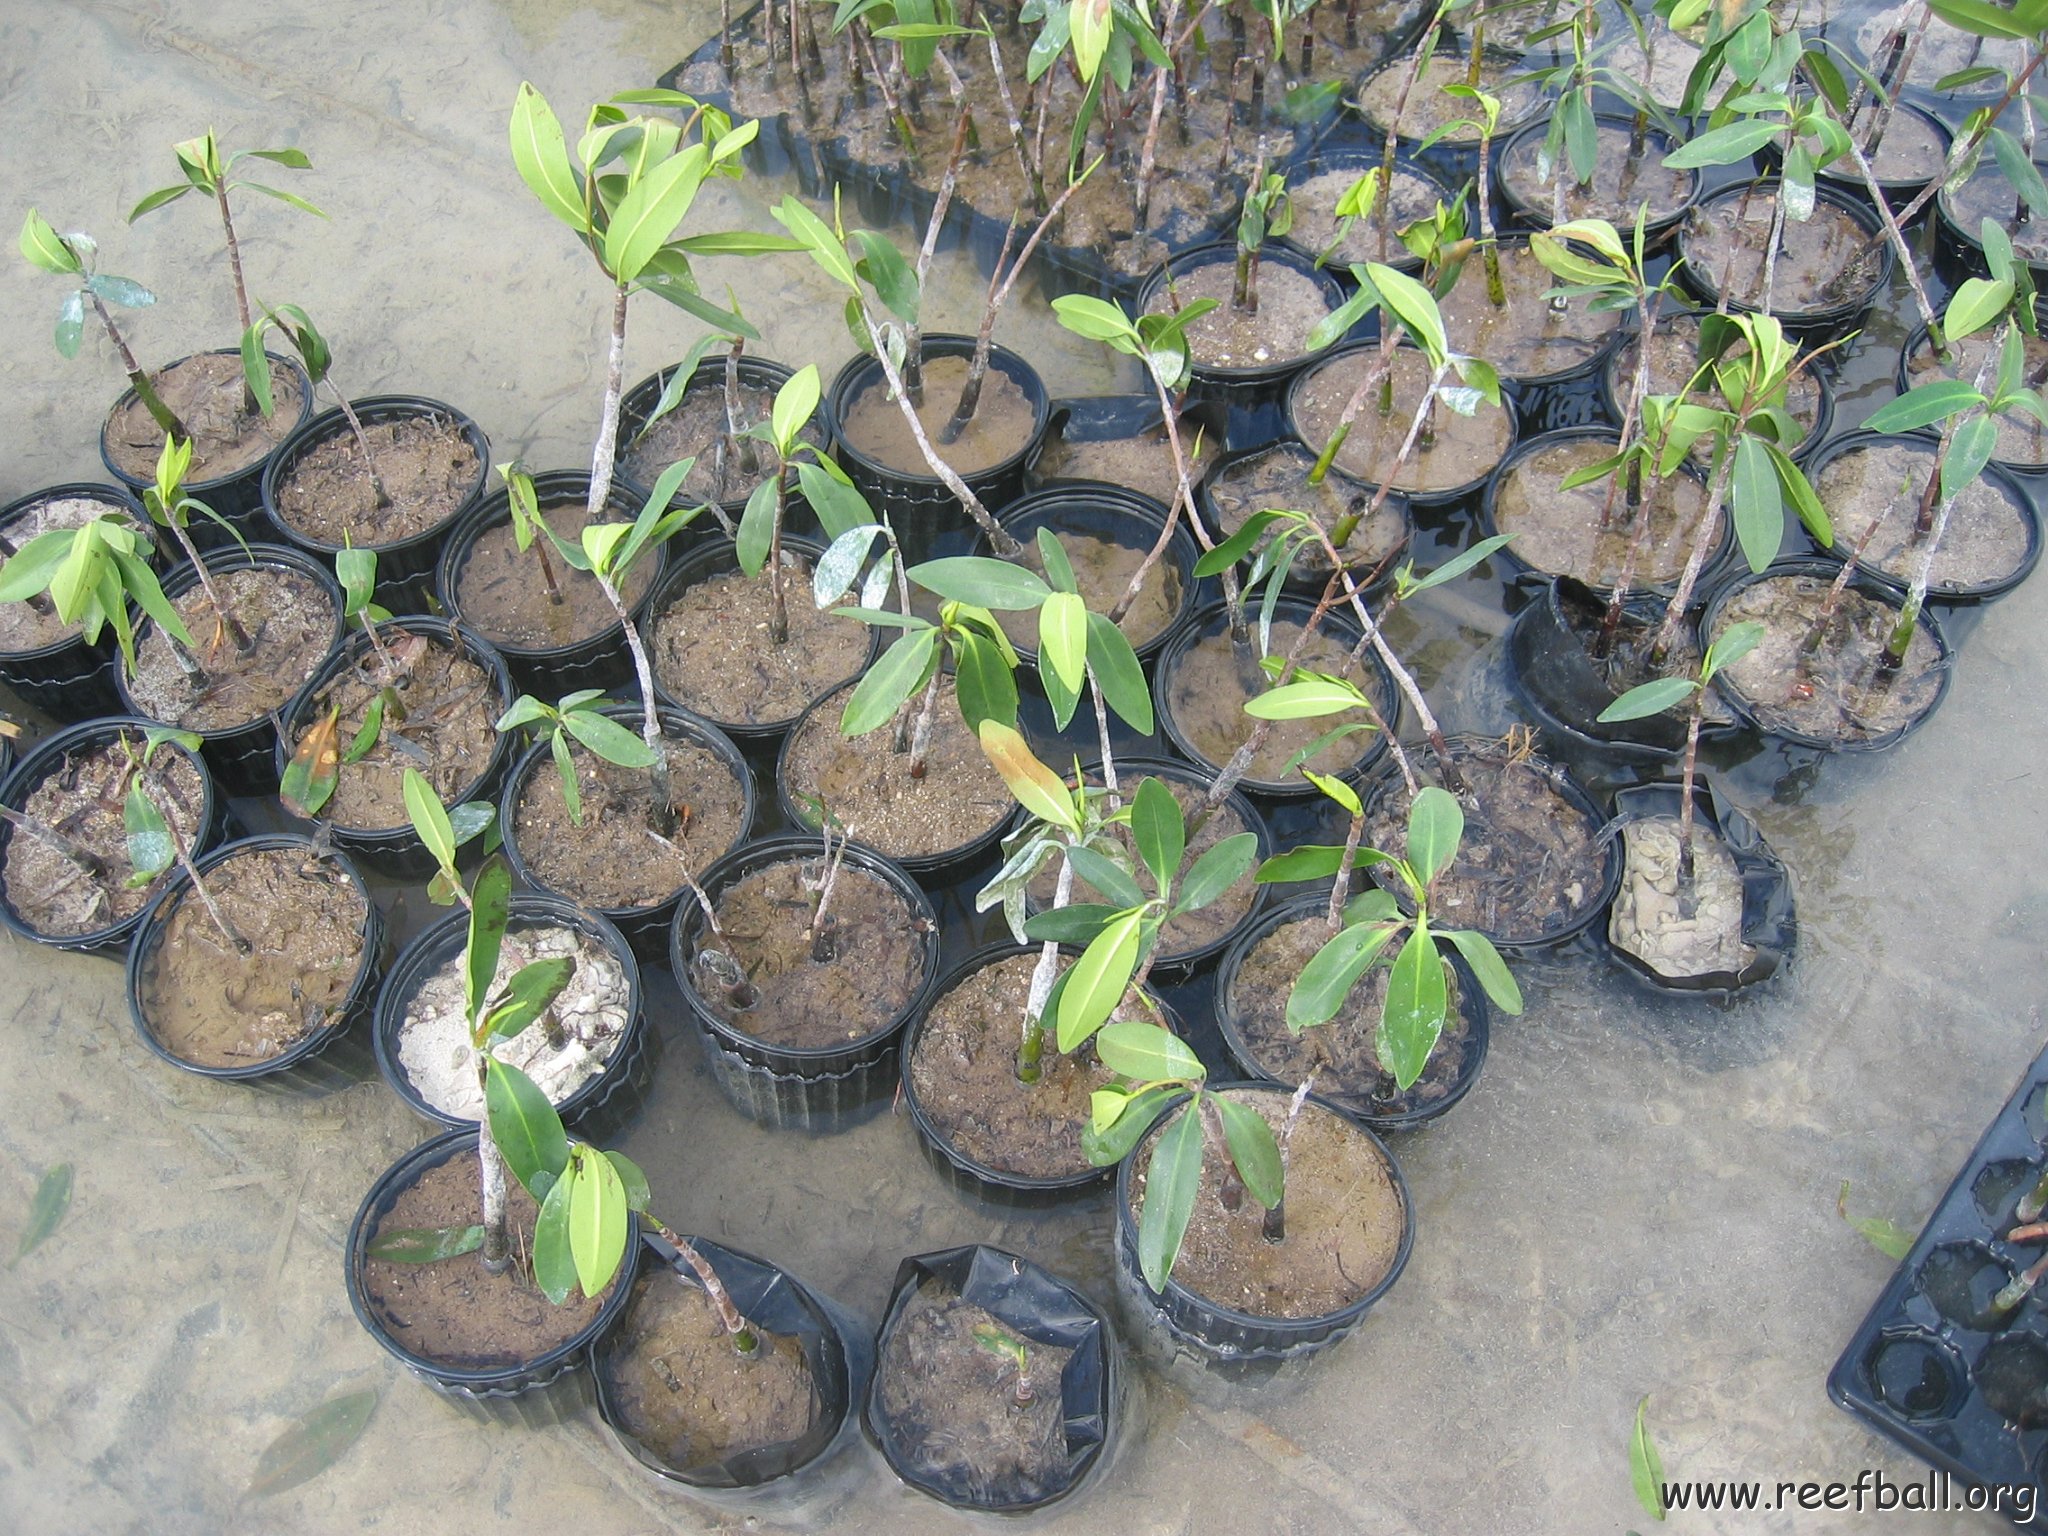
(1396, 1116)
(1306, 578)
(1565, 397)
(642, 398)
(2029, 473)
(645, 927)
(1356, 162)
(929, 869)
(816, 1088)
(331, 1058)
(718, 556)
(1868, 586)
(1214, 620)
(237, 497)
(1575, 795)
(1117, 516)
(1037, 1308)
(244, 757)
(1959, 247)
(49, 756)
(1819, 324)
(918, 504)
(405, 567)
(549, 1389)
(1113, 418)
(1452, 161)
(1614, 390)
(1897, 191)
(398, 850)
(598, 1107)
(68, 679)
(2009, 486)
(1222, 1335)
(1536, 215)
(549, 671)
(1519, 571)
(1769, 925)
(837, 1347)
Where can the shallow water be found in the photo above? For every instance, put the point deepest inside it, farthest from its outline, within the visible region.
(1637, 1198)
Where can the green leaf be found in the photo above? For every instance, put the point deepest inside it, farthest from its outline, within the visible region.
(1977, 302)
(429, 818)
(985, 583)
(894, 282)
(1308, 697)
(1882, 1233)
(1233, 549)
(1095, 319)
(638, 1195)
(1146, 1053)
(1435, 825)
(554, 1266)
(1063, 637)
(896, 674)
(529, 994)
(1492, 971)
(1969, 450)
(312, 1445)
(1159, 830)
(1112, 1143)
(490, 909)
(150, 848)
(984, 685)
(607, 738)
(1107, 876)
(1981, 19)
(1096, 984)
(1923, 405)
(1645, 1466)
(1417, 1000)
(1415, 307)
(524, 1125)
(824, 246)
(1651, 698)
(1337, 790)
(45, 1210)
(1309, 862)
(1799, 491)
(1036, 787)
(1733, 643)
(1252, 1148)
(565, 771)
(157, 199)
(1076, 923)
(648, 214)
(598, 1221)
(1217, 871)
(1723, 146)
(1581, 135)
(1319, 991)
(1119, 674)
(1759, 506)
(45, 248)
(542, 159)
(1458, 565)
(1172, 1180)
(2019, 169)
(795, 402)
(1059, 570)
(424, 1245)
(32, 567)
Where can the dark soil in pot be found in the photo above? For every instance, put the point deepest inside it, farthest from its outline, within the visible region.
(205, 392)
(1227, 340)
(1006, 418)
(1533, 867)
(1675, 357)
(1622, 181)
(866, 783)
(307, 924)
(1428, 108)
(430, 464)
(1107, 535)
(1580, 532)
(499, 590)
(1203, 682)
(1828, 268)
(1133, 454)
(1347, 1220)
(696, 429)
(1344, 1053)
(1246, 484)
(1992, 538)
(1837, 696)
(79, 793)
(1316, 188)
(2022, 441)
(1449, 465)
(710, 648)
(609, 861)
(1527, 337)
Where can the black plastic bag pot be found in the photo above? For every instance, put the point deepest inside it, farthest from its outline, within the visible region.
(1222, 1336)
(917, 502)
(646, 926)
(752, 372)
(837, 1347)
(1822, 320)
(815, 1088)
(50, 756)
(598, 660)
(1397, 1112)
(331, 1058)
(550, 1388)
(67, 679)
(1524, 147)
(244, 756)
(1310, 572)
(397, 850)
(1115, 516)
(1037, 1308)
(2022, 446)
(1769, 927)
(405, 567)
(236, 497)
(597, 1108)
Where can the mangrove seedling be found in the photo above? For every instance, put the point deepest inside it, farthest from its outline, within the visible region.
(1484, 123)
(154, 844)
(89, 575)
(1267, 213)
(444, 830)
(169, 507)
(523, 503)
(76, 255)
(1012, 1351)
(318, 360)
(577, 716)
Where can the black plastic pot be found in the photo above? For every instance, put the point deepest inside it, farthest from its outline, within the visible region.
(549, 1389)
(49, 756)
(1116, 516)
(2028, 471)
(597, 1108)
(717, 556)
(1959, 247)
(1253, 393)
(645, 927)
(244, 757)
(1869, 586)
(929, 869)
(1214, 620)
(1824, 322)
(405, 567)
(1113, 418)
(1521, 571)
(67, 679)
(1768, 923)
(1562, 398)
(2009, 488)
(1615, 384)
(236, 497)
(1452, 161)
(918, 504)
(1222, 1335)
(595, 661)
(817, 1088)
(1356, 162)
(333, 1057)
(837, 1347)
(1037, 1308)
(1405, 1111)
(1309, 574)
(642, 398)
(1897, 191)
(1534, 213)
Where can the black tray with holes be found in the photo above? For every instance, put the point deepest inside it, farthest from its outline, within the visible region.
(1935, 1366)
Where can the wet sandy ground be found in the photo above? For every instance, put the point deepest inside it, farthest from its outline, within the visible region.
(1637, 1199)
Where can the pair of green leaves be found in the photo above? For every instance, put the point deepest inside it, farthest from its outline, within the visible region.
(579, 715)
(1663, 693)
(74, 255)
(1159, 341)
(443, 831)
